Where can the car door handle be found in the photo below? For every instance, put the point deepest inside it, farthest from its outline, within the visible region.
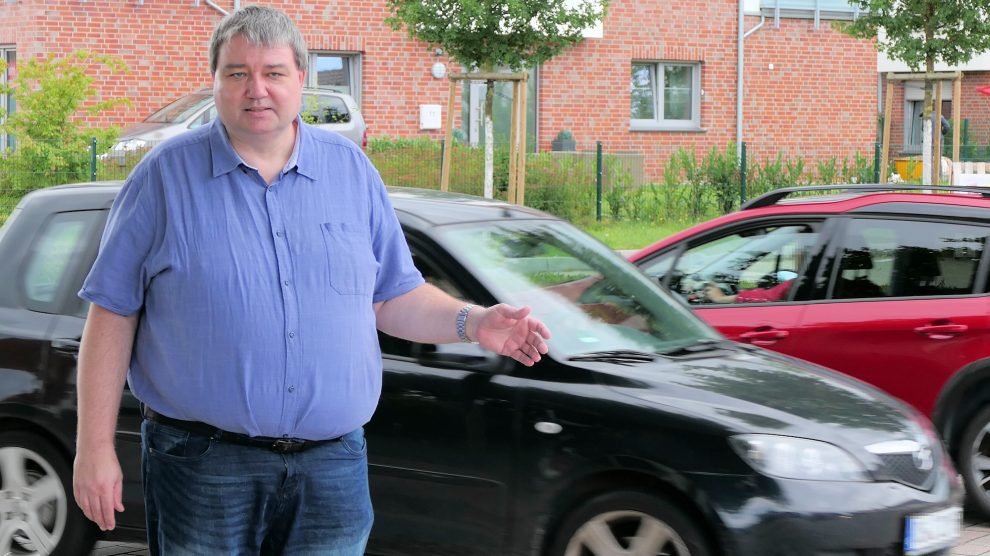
(764, 337)
(941, 331)
(65, 345)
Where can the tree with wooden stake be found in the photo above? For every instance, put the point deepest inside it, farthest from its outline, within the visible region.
(921, 33)
(492, 35)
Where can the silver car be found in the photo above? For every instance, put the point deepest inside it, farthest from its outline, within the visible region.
(327, 109)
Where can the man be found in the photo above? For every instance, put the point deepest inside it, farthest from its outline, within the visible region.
(242, 274)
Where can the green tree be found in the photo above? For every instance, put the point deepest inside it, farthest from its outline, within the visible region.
(51, 142)
(489, 35)
(921, 33)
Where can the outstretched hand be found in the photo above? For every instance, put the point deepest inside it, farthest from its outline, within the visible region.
(510, 331)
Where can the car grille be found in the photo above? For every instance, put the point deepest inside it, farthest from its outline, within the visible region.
(901, 468)
(907, 462)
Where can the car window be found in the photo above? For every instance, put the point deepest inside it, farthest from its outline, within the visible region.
(325, 109)
(756, 264)
(59, 244)
(180, 109)
(204, 118)
(392, 346)
(897, 258)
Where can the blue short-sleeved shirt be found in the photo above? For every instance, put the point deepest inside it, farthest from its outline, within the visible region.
(255, 300)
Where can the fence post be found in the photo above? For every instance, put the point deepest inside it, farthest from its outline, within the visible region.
(742, 174)
(443, 145)
(598, 181)
(92, 159)
(876, 162)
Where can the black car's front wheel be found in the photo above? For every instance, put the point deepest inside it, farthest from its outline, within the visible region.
(628, 523)
(38, 515)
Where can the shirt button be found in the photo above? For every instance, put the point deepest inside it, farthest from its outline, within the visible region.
(286, 282)
(279, 233)
(292, 388)
(292, 334)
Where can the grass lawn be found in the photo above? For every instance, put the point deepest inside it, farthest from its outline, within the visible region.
(630, 235)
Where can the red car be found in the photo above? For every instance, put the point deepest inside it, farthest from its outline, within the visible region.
(889, 285)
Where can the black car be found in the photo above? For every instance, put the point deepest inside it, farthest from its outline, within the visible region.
(642, 431)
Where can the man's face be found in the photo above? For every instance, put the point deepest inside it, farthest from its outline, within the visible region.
(258, 90)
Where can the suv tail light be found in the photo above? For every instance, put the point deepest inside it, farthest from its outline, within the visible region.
(364, 139)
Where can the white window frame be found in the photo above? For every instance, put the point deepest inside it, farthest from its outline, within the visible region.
(659, 123)
(353, 71)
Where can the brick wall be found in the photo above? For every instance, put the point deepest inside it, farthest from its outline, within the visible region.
(818, 100)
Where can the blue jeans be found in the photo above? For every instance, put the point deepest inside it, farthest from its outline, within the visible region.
(205, 497)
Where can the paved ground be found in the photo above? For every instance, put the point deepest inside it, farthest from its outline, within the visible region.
(975, 541)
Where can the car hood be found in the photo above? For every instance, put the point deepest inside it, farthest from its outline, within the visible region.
(749, 390)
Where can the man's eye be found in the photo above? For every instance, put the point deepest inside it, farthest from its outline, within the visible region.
(237, 75)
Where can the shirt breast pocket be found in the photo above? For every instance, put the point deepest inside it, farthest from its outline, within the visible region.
(353, 267)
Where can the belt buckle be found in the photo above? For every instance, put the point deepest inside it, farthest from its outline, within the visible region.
(286, 446)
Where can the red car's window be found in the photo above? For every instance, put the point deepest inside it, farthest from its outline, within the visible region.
(898, 258)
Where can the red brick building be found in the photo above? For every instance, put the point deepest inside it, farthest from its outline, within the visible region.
(808, 90)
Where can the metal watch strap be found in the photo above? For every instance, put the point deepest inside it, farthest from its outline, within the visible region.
(462, 323)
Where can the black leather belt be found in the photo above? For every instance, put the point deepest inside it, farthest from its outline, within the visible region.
(280, 445)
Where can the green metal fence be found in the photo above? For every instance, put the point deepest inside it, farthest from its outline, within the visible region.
(601, 184)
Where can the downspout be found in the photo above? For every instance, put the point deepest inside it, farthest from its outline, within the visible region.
(739, 73)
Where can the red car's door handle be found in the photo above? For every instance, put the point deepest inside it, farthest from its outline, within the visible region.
(941, 331)
(764, 337)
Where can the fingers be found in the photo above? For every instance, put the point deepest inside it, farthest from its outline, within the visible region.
(105, 514)
(98, 493)
(527, 354)
(530, 350)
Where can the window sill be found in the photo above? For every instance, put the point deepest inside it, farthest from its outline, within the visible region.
(666, 128)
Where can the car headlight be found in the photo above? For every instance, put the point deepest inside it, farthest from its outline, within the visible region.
(798, 458)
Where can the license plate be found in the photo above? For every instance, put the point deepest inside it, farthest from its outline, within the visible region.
(929, 532)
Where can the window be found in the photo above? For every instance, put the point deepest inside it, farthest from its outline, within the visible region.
(452, 353)
(665, 96)
(59, 245)
(336, 72)
(754, 261)
(9, 56)
(881, 258)
(472, 103)
(325, 109)
(914, 112)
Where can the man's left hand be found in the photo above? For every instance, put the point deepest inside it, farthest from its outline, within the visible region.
(510, 331)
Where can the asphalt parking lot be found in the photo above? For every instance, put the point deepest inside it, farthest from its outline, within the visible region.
(974, 541)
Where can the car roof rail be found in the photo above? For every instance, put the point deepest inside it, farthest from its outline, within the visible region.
(775, 196)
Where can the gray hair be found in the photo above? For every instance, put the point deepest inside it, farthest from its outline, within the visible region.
(260, 25)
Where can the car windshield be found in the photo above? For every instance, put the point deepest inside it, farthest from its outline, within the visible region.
(180, 110)
(589, 296)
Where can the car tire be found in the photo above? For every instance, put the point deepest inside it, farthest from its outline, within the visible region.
(974, 447)
(40, 515)
(610, 524)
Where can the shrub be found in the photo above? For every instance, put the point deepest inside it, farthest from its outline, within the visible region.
(51, 145)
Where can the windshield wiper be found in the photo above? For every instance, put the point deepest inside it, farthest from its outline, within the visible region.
(618, 356)
(699, 346)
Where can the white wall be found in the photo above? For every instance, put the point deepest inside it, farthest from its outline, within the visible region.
(978, 63)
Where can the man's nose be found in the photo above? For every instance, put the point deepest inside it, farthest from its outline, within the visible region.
(256, 87)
